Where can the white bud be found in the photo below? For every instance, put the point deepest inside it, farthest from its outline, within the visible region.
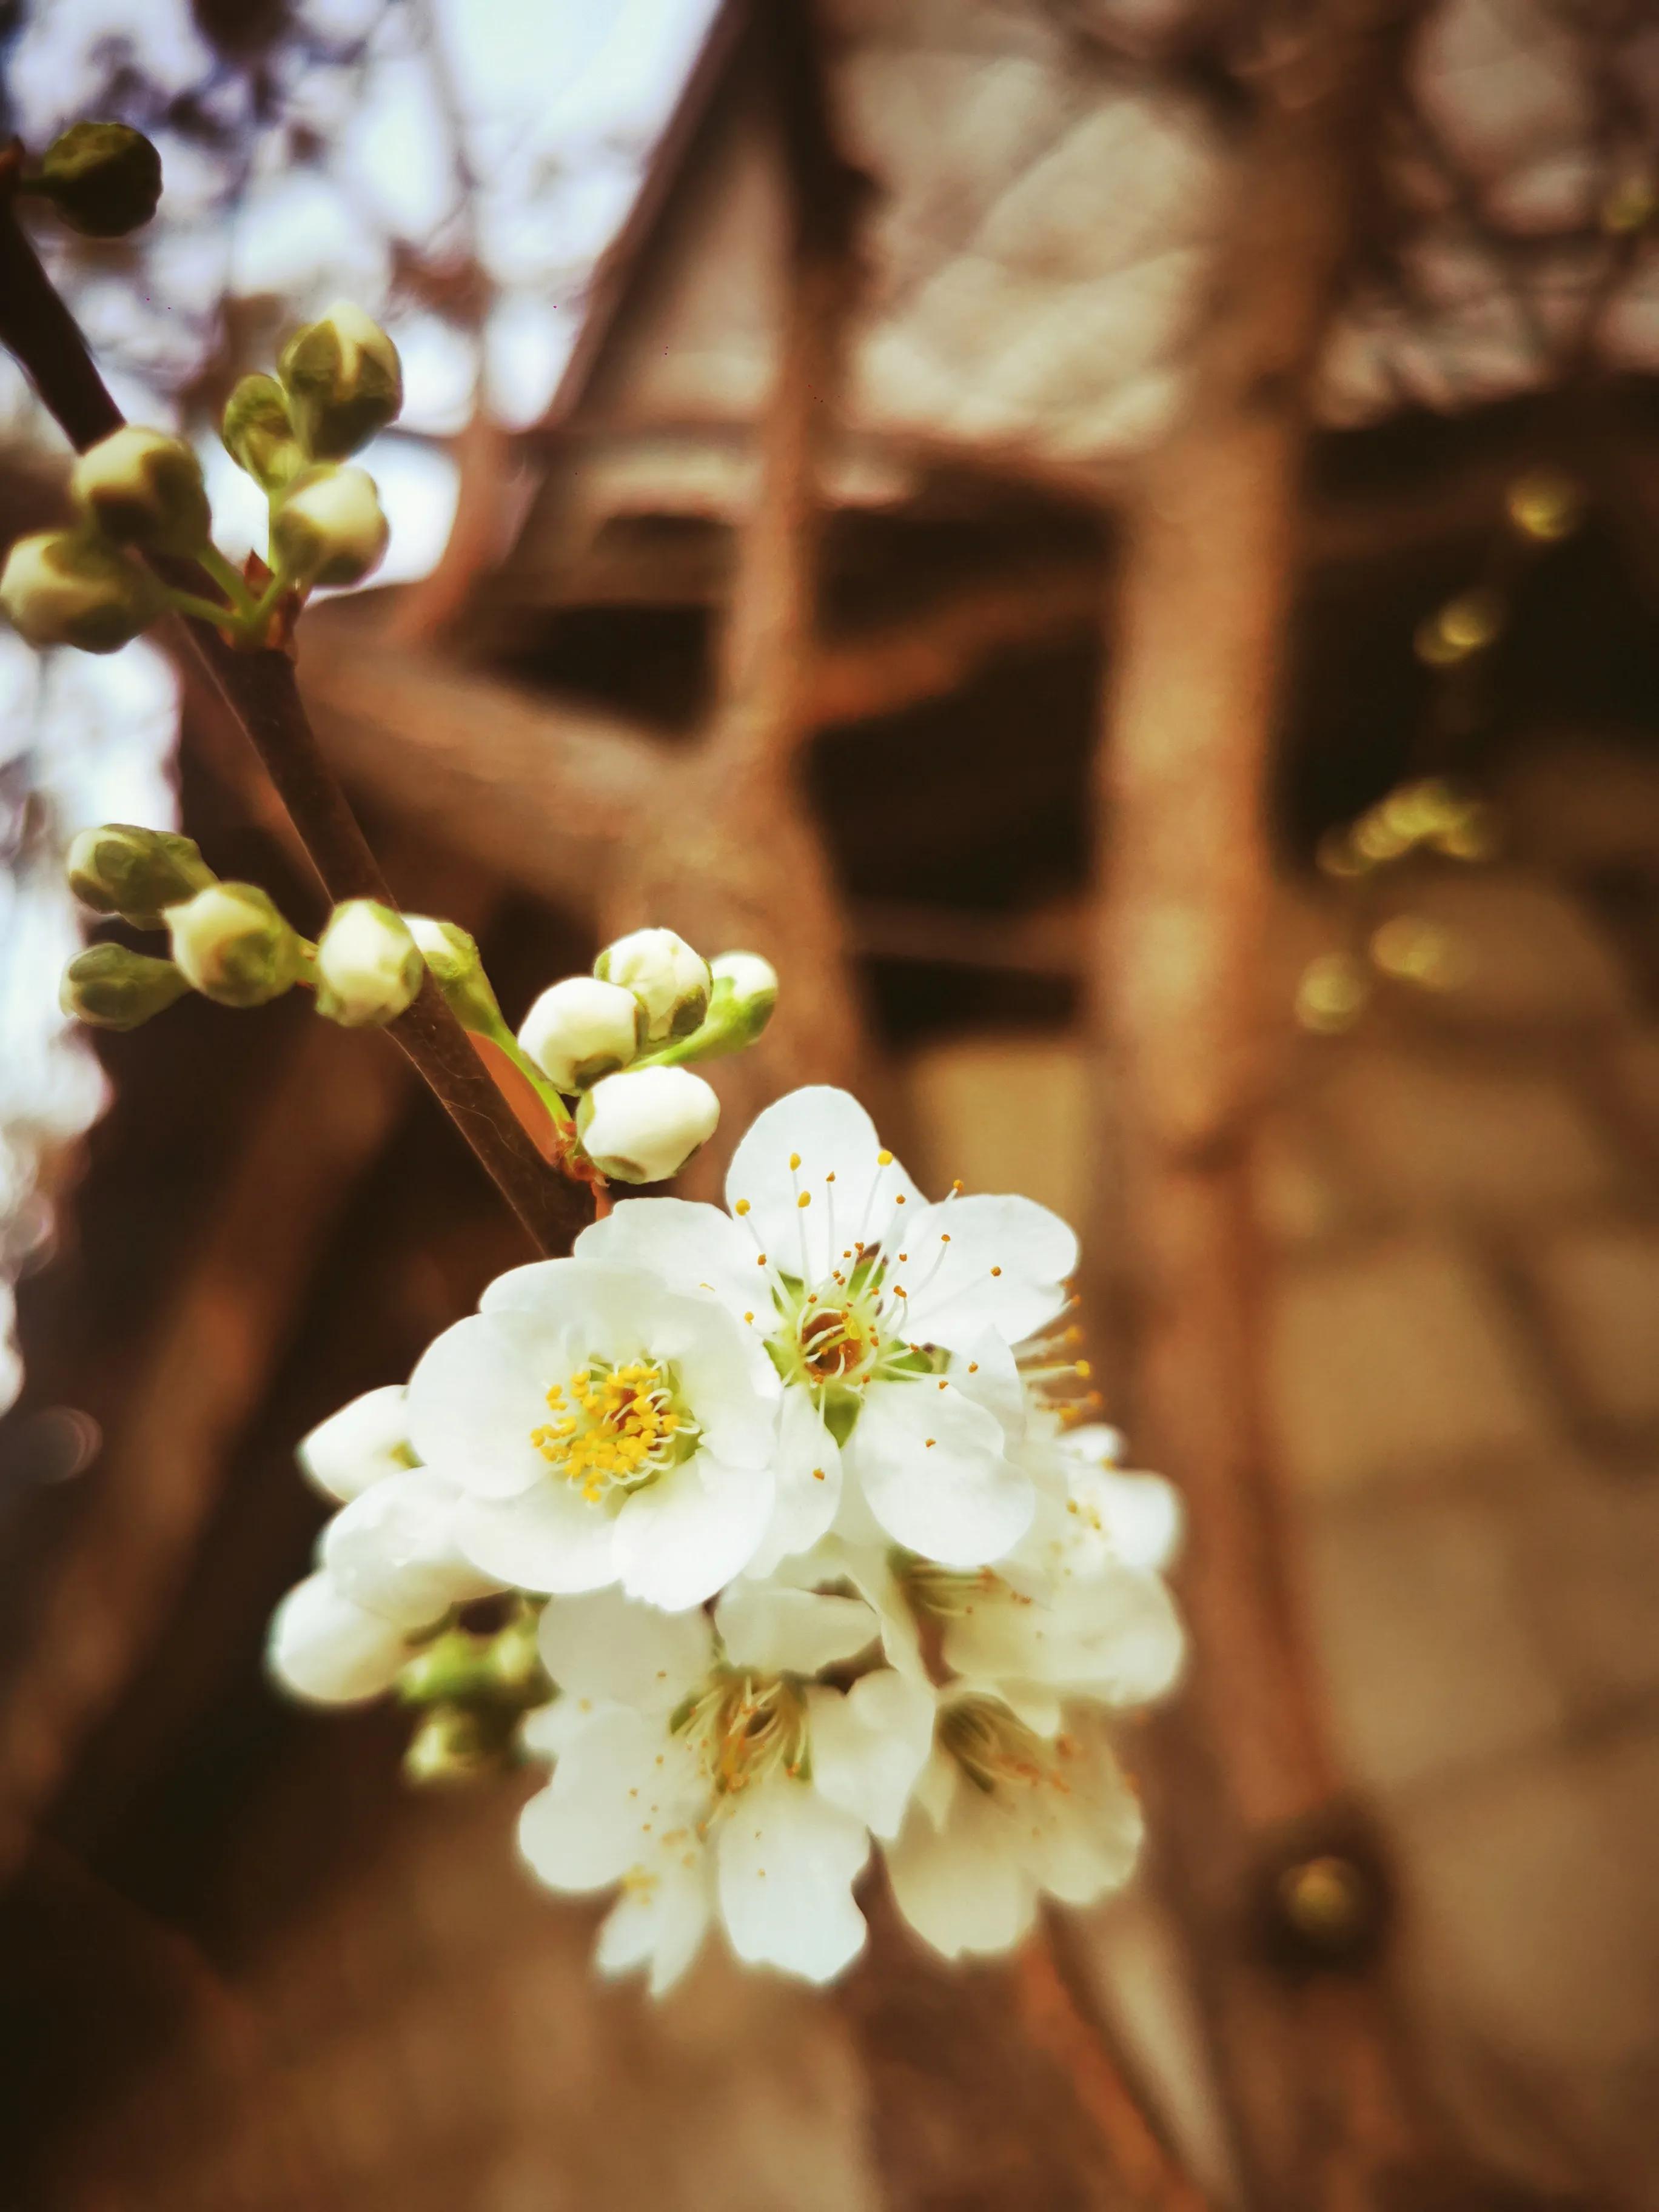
(754, 981)
(670, 981)
(643, 1125)
(64, 588)
(392, 1551)
(581, 1030)
(144, 488)
(343, 380)
(362, 1443)
(234, 946)
(453, 957)
(322, 1647)
(329, 528)
(368, 965)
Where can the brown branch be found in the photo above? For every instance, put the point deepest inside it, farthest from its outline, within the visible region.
(260, 691)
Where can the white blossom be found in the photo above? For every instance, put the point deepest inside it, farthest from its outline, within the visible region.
(605, 1429)
(581, 1030)
(701, 1768)
(324, 1648)
(393, 1550)
(368, 965)
(643, 1125)
(890, 1320)
(1004, 1815)
(365, 1441)
(669, 979)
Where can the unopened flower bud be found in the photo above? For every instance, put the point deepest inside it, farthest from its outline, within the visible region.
(111, 988)
(365, 1441)
(329, 528)
(344, 379)
(643, 1125)
(104, 179)
(746, 991)
(257, 433)
(68, 587)
(581, 1030)
(670, 981)
(233, 945)
(140, 486)
(457, 1743)
(369, 966)
(458, 969)
(324, 1648)
(121, 868)
(392, 1551)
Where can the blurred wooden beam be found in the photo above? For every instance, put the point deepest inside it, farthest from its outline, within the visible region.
(210, 1356)
(1308, 2072)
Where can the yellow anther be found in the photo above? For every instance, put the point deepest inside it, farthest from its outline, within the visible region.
(996, 1271)
(794, 1162)
(741, 1207)
(805, 1198)
(884, 1159)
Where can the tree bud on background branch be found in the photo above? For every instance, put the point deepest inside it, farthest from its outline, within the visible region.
(68, 587)
(581, 1030)
(329, 528)
(643, 1125)
(112, 987)
(670, 981)
(258, 434)
(344, 379)
(104, 179)
(368, 965)
(234, 946)
(458, 968)
(140, 486)
(120, 868)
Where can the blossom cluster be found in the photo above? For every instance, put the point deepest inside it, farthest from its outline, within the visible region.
(824, 1549)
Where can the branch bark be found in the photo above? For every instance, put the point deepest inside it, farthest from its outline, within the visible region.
(1209, 571)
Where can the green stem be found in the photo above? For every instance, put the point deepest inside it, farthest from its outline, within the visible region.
(499, 1034)
(213, 611)
(229, 578)
(260, 609)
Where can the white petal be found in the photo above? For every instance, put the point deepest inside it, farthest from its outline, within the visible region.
(545, 1538)
(688, 1533)
(393, 1550)
(986, 1370)
(659, 1920)
(599, 1307)
(545, 1731)
(1115, 1635)
(479, 1392)
(791, 1631)
(937, 1785)
(786, 1861)
(324, 1648)
(605, 1645)
(688, 1246)
(724, 1375)
(1141, 1514)
(1003, 1267)
(808, 1463)
(360, 1444)
(1086, 1835)
(960, 1886)
(834, 1561)
(869, 1746)
(931, 1468)
(832, 1135)
(620, 1783)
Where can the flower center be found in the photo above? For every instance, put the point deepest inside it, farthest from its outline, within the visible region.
(997, 1751)
(744, 1727)
(844, 1334)
(937, 1593)
(615, 1428)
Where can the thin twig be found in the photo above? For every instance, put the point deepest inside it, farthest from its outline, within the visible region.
(260, 690)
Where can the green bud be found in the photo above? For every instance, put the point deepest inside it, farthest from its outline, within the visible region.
(258, 434)
(329, 528)
(113, 988)
(69, 587)
(140, 487)
(119, 868)
(368, 965)
(104, 179)
(458, 969)
(344, 379)
(457, 1743)
(234, 946)
(739, 1008)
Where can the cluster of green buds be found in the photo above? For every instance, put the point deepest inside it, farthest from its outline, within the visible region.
(615, 1043)
(472, 1688)
(604, 1053)
(139, 496)
(338, 384)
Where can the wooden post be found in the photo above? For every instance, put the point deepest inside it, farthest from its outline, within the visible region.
(1242, 1767)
